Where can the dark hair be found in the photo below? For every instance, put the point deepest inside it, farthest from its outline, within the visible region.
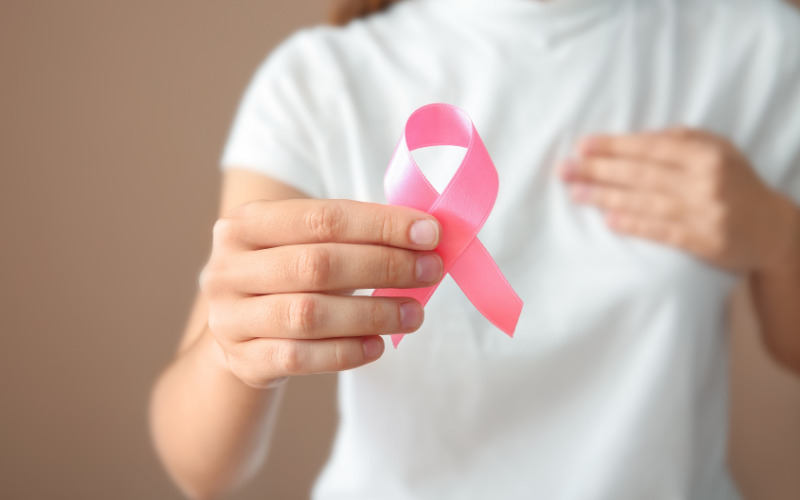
(344, 11)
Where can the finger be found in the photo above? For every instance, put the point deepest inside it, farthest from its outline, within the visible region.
(264, 224)
(623, 172)
(260, 361)
(318, 316)
(652, 228)
(672, 147)
(331, 267)
(615, 200)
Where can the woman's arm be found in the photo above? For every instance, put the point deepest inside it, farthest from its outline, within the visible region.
(697, 192)
(776, 294)
(210, 428)
(271, 307)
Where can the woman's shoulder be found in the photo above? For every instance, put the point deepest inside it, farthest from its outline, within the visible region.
(758, 40)
(764, 19)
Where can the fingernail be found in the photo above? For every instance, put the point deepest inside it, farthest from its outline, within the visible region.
(411, 315)
(373, 347)
(424, 232)
(428, 268)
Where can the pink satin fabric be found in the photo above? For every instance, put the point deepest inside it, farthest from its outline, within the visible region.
(461, 209)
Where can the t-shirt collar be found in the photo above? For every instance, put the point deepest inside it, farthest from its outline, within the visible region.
(549, 21)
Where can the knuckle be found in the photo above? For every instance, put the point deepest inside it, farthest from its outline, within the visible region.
(225, 229)
(392, 267)
(326, 221)
(253, 208)
(253, 379)
(241, 363)
(243, 211)
(286, 358)
(248, 364)
(376, 316)
(313, 267)
(303, 317)
(222, 319)
(339, 357)
(212, 278)
(385, 225)
(240, 369)
(206, 281)
(216, 321)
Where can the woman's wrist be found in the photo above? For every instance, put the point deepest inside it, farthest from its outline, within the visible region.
(782, 252)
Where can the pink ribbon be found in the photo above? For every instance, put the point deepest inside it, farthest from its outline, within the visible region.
(461, 209)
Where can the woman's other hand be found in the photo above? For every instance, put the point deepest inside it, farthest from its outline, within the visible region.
(689, 189)
(277, 271)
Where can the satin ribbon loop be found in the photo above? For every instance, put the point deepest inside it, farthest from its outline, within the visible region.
(461, 209)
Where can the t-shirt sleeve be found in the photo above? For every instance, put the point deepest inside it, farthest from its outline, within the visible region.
(777, 150)
(277, 122)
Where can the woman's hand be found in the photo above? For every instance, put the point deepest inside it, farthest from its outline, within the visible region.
(688, 189)
(276, 275)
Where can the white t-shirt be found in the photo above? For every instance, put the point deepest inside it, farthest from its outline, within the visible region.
(615, 384)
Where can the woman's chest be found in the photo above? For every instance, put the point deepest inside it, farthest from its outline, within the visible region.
(530, 115)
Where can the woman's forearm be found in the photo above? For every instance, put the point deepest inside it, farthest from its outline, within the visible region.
(270, 289)
(210, 429)
(776, 296)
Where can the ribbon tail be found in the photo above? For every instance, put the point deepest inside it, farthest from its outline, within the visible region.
(478, 276)
(422, 295)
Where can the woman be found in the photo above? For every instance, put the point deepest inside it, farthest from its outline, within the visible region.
(649, 160)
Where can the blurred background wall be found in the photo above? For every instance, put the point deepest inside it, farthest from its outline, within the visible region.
(112, 118)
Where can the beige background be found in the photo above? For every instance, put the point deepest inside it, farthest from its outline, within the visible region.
(112, 117)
